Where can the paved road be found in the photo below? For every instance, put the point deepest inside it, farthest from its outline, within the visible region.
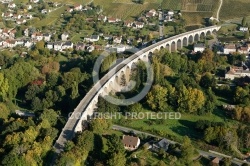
(67, 132)
(205, 154)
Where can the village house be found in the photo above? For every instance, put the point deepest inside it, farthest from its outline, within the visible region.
(243, 50)
(67, 45)
(17, 16)
(138, 25)
(28, 44)
(21, 21)
(11, 5)
(243, 29)
(130, 142)
(37, 36)
(199, 47)
(50, 45)
(107, 37)
(128, 24)
(112, 20)
(69, 10)
(19, 42)
(7, 15)
(26, 32)
(229, 48)
(102, 18)
(80, 46)
(9, 44)
(78, 7)
(45, 11)
(171, 13)
(236, 72)
(34, 1)
(94, 38)
(28, 16)
(58, 46)
(117, 40)
(47, 37)
(90, 48)
(64, 36)
(29, 7)
(151, 13)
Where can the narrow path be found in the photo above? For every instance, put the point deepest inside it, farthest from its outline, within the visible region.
(218, 11)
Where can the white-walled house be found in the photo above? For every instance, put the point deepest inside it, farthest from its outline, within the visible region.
(199, 47)
(236, 72)
(58, 46)
(243, 29)
(67, 45)
(229, 48)
(64, 36)
(50, 45)
(47, 37)
(11, 5)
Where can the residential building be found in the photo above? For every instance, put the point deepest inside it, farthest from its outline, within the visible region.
(128, 24)
(80, 46)
(37, 36)
(243, 50)
(229, 48)
(199, 47)
(94, 38)
(243, 29)
(28, 44)
(67, 45)
(50, 45)
(69, 10)
(117, 40)
(58, 46)
(64, 36)
(47, 37)
(130, 142)
(236, 72)
(138, 25)
(112, 20)
(78, 7)
(102, 18)
(11, 5)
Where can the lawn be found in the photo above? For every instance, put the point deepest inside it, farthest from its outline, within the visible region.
(171, 128)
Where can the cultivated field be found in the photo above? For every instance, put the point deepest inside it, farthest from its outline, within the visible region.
(235, 9)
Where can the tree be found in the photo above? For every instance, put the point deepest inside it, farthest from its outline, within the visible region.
(188, 152)
(157, 98)
(207, 80)
(74, 90)
(100, 125)
(117, 159)
(246, 35)
(137, 107)
(4, 87)
(4, 111)
(50, 115)
(243, 22)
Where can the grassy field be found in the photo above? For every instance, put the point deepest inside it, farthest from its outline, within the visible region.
(50, 18)
(174, 129)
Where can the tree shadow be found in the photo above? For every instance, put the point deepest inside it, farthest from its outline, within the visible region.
(188, 129)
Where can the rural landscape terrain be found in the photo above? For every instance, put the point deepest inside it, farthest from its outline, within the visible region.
(125, 82)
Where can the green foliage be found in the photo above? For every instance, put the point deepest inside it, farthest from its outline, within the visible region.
(19, 75)
(99, 125)
(157, 98)
(108, 62)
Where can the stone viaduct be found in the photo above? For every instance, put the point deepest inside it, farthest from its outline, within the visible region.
(87, 105)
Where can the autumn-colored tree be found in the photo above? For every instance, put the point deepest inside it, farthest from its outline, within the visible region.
(4, 87)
